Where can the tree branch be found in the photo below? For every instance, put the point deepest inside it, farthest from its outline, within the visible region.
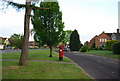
(24, 5)
(17, 5)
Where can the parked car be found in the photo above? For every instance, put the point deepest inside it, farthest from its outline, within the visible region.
(9, 47)
(65, 49)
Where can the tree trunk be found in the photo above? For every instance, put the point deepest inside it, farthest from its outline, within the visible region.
(24, 51)
(50, 51)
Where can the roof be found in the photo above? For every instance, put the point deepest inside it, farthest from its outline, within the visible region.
(109, 34)
(117, 34)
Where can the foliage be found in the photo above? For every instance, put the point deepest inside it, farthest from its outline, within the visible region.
(116, 48)
(74, 41)
(100, 48)
(67, 36)
(48, 25)
(84, 48)
(109, 44)
(16, 40)
(4, 44)
(96, 48)
(28, 7)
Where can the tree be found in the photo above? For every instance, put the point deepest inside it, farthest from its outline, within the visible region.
(28, 7)
(16, 40)
(67, 36)
(109, 44)
(48, 25)
(93, 45)
(74, 41)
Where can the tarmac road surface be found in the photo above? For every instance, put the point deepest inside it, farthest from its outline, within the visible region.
(96, 66)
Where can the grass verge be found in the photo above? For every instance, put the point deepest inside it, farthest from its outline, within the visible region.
(40, 70)
(35, 55)
(104, 53)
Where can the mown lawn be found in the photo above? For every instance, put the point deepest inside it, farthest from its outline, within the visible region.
(40, 70)
(104, 53)
(35, 55)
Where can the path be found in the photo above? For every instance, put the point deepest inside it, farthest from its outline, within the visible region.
(38, 61)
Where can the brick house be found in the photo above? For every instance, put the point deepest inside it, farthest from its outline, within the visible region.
(32, 44)
(100, 40)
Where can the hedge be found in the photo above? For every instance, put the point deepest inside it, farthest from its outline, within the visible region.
(116, 48)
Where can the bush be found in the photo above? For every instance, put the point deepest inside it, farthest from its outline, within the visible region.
(84, 48)
(116, 48)
(96, 48)
(100, 48)
(109, 44)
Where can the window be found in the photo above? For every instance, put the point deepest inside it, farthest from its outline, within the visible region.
(102, 45)
(103, 40)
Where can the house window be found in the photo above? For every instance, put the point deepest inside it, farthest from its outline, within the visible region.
(101, 45)
(103, 40)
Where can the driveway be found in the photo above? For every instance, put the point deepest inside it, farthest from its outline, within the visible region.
(96, 66)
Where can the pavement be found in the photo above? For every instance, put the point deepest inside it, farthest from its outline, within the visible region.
(38, 61)
(98, 67)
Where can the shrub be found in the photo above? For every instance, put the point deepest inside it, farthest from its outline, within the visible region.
(109, 44)
(116, 48)
(93, 46)
(84, 48)
(96, 48)
(100, 48)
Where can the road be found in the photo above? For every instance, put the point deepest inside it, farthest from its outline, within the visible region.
(19, 50)
(96, 66)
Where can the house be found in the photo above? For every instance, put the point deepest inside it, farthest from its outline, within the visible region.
(100, 40)
(32, 44)
(116, 36)
(4, 40)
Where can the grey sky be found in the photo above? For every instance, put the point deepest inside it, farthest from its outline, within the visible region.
(89, 17)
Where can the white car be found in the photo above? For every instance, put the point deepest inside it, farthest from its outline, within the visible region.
(65, 49)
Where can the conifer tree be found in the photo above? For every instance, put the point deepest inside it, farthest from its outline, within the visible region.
(75, 41)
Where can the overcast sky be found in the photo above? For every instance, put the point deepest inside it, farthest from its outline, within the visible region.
(89, 17)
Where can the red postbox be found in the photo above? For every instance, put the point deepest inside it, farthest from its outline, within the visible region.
(61, 53)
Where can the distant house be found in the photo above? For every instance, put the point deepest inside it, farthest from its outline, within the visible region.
(100, 40)
(4, 40)
(32, 44)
